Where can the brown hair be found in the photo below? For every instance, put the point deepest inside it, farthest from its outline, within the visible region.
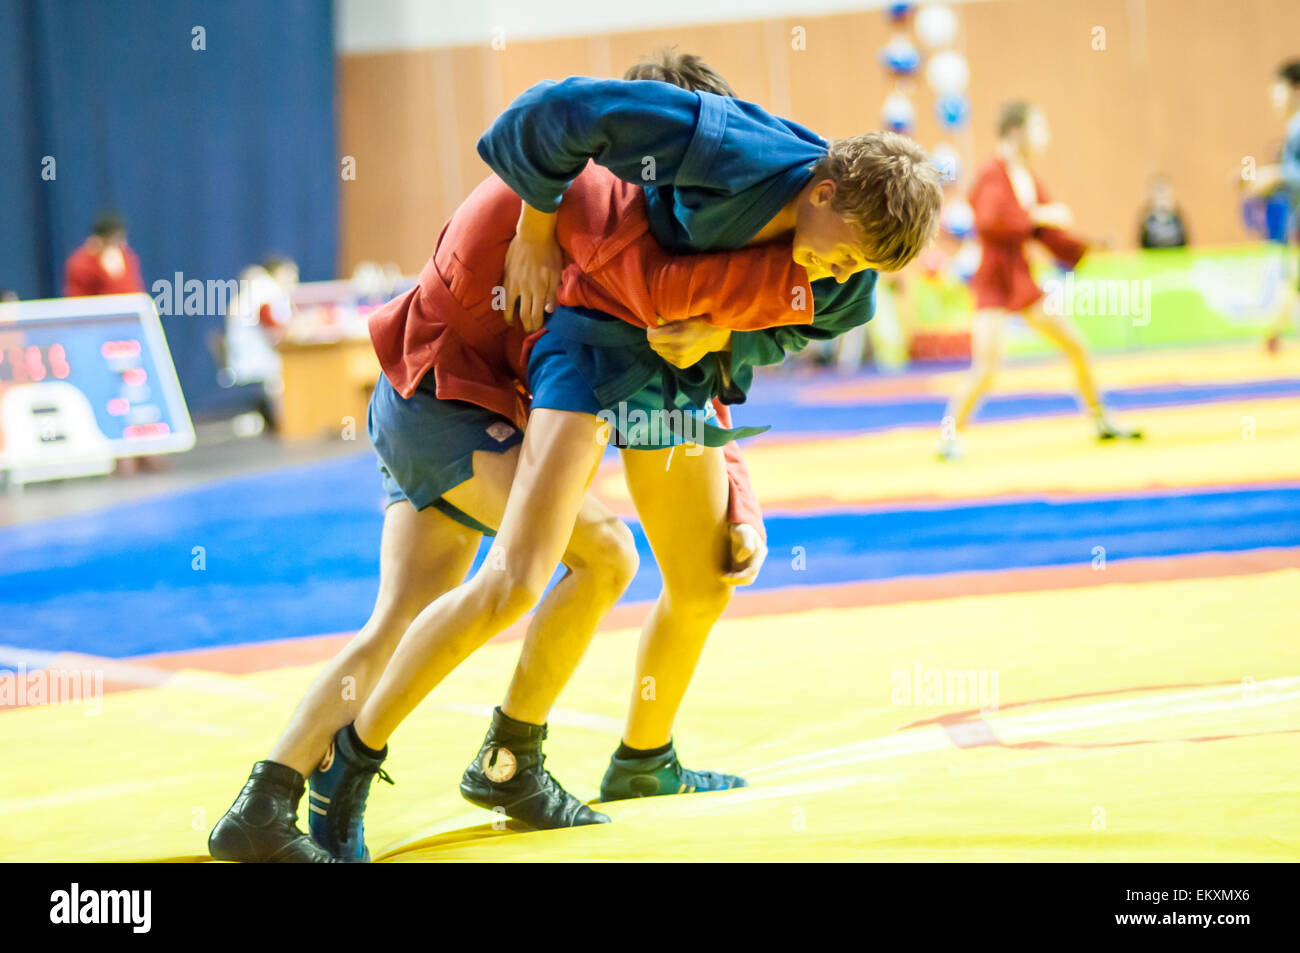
(1013, 116)
(885, 184)
(681, 69)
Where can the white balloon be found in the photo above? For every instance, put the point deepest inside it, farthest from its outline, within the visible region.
(947, 72)
(958, 218)
(945, 158)
(936, 25)
(898, 112)
(967, 260)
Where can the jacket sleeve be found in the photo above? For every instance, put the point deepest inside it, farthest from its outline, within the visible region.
(839, 308)
(133, 263)
(742, 506)
(641, 131)
(1066, 248)
(80, 277)
(744, 290)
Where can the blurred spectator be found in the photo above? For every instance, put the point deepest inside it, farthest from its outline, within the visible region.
(255, 322)
(1162, 220)
(1286, 176)
(104, 264)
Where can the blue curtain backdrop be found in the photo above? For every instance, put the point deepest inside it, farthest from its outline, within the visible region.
(215, 157)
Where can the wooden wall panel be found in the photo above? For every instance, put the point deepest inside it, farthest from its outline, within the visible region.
(1181, 88)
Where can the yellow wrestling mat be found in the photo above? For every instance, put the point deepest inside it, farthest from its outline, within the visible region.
(1231, 442)
(1153, 721)
(1223, 364)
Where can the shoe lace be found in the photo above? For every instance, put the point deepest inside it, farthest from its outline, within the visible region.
(350, 802)
(547, 779)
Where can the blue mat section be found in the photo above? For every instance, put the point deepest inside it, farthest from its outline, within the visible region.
(780, 408)
(295, 552)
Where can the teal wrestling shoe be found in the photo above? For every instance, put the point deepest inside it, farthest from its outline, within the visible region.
(660, 774)
(337, 797)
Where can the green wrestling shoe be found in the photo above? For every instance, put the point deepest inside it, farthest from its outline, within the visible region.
(660, 774)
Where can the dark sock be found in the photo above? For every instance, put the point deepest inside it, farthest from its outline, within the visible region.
(626, 753)
(362, 748)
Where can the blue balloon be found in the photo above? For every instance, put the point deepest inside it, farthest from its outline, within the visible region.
(899, 11)
(900, 56)
(953, 110)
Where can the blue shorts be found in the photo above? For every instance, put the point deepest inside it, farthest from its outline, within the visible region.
(426, 445)
(639, 423)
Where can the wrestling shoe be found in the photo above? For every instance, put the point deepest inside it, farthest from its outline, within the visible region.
(509, 776)
(1108, 431)
(951, 448)
(339, 788)
(660, 774)
(262, 825)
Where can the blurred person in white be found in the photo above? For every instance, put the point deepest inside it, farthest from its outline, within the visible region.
(256, 321)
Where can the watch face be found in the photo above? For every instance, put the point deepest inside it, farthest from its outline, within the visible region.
(498, 764)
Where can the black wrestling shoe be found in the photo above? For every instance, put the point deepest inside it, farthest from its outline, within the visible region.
(1108, 431)
(509, 776)
(339, 788)
(262, 825)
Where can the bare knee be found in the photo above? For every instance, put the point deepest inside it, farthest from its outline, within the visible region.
(607, 557)
(509, 592)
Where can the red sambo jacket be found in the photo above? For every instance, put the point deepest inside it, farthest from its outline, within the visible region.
(1003, 279)
(451, 324)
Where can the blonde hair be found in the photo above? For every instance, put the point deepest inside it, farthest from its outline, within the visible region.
(681, 69)
(1012, 116)
(886, 185)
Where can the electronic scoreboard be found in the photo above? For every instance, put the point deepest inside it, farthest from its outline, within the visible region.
(84, 381)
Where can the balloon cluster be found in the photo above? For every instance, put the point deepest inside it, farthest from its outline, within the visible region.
(947, 74)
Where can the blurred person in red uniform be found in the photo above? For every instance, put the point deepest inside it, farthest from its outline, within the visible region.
(1011, 209)
(104, 264)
